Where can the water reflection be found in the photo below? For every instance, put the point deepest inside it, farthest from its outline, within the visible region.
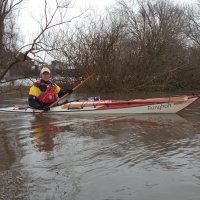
(68, 157)
(136, 139)
(44, 130)
(149, 120)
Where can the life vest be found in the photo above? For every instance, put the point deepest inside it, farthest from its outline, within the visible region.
(49, 95)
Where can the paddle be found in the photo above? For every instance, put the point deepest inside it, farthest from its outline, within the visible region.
(75, 88)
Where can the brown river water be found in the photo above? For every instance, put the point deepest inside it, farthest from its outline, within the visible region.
(100, 157)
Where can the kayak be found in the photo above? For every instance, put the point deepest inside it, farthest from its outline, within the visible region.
(135, 106)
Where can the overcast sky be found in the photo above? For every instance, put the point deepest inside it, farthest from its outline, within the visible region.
(31, 10)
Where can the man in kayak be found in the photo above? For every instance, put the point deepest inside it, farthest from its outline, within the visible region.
(44, 92)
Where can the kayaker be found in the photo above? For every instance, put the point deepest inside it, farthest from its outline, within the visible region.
(45, 92)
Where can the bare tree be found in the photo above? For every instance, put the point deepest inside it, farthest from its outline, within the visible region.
(193, 31)
(134, 45)
(93, 48)
(7, 9)
(51, 19)
(157, 32)
(8, 33)
(137, 44)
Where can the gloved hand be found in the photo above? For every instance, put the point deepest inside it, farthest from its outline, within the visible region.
(46, 108)
(69, 91)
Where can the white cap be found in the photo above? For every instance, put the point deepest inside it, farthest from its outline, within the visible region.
(45, 69)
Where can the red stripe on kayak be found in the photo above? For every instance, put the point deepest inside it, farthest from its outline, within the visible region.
(123, 105)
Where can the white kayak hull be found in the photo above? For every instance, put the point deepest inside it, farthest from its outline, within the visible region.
(140, 106)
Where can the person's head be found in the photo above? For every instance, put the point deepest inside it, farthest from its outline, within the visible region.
(45, 73)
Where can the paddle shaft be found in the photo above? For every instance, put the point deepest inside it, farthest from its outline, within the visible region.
(75, 88)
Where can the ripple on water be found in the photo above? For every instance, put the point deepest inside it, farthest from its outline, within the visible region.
(106, 158)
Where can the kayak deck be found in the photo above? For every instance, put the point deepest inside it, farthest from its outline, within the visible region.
(143, 106)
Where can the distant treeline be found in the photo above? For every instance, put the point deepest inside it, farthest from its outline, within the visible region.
(135, 45)
(143, 46)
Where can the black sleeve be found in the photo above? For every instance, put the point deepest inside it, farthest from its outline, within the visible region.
(63, 92)
(33, 102)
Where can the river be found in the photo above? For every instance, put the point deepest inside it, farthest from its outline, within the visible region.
(105, 157)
